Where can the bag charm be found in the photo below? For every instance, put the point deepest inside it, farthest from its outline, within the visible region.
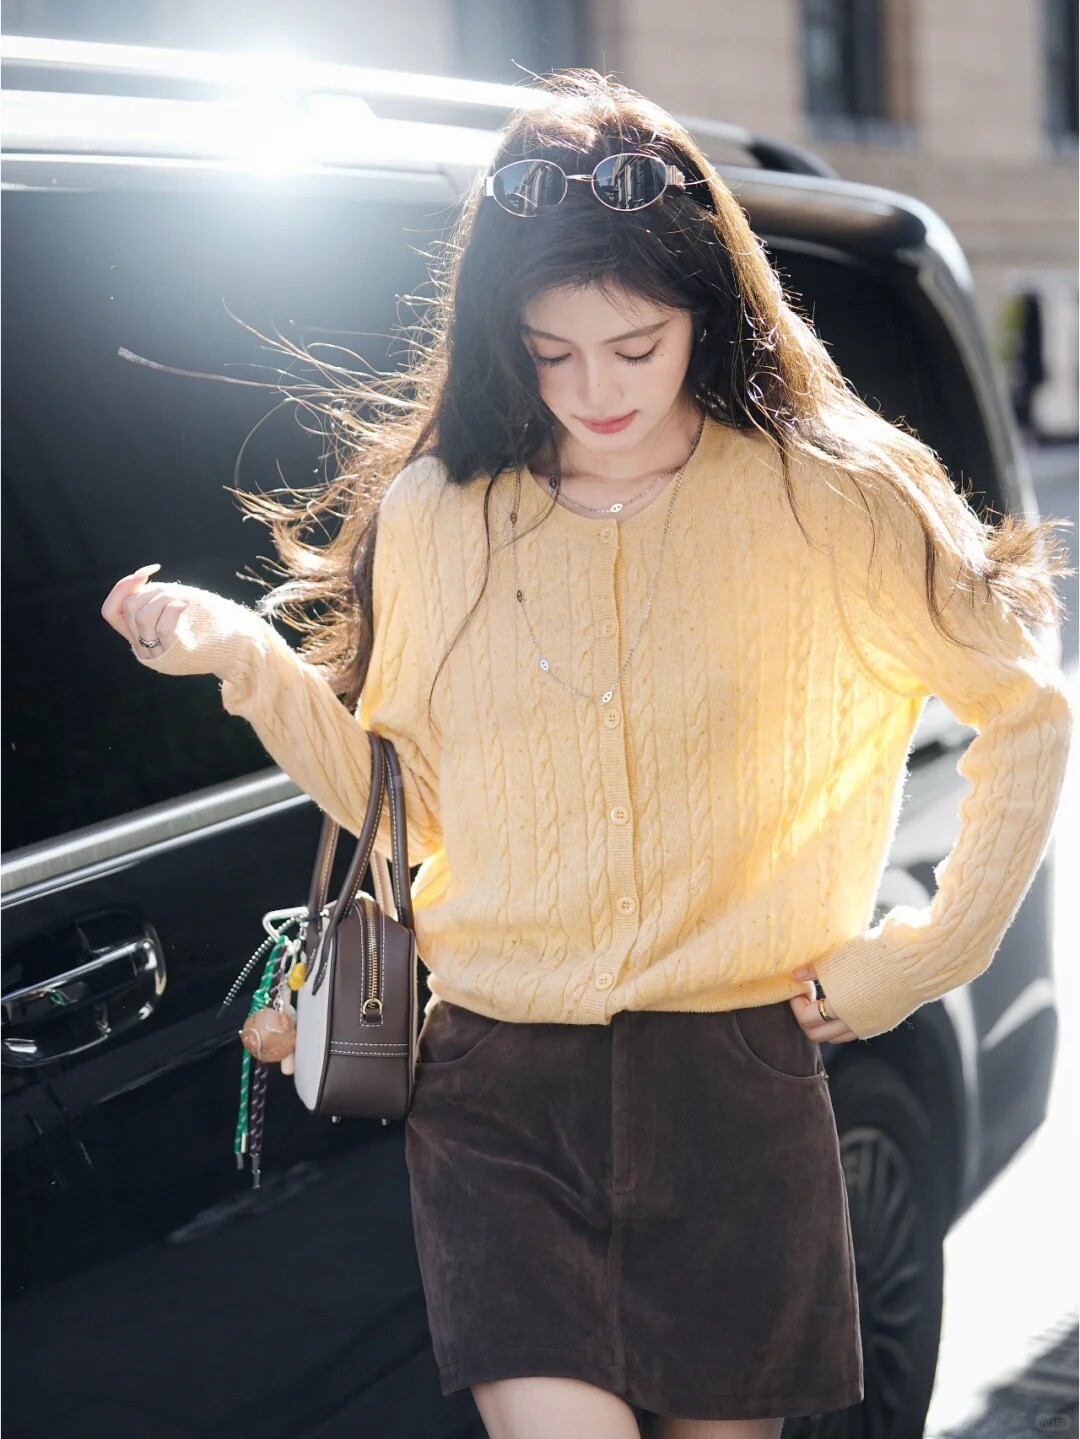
(269, 1032)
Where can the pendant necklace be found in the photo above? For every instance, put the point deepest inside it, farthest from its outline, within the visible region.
(606, 697)
(619, 504)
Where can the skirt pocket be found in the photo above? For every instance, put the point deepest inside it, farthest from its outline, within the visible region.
(451, 1034)
(771, 1038)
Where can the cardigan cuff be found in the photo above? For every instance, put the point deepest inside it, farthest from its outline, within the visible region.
(215, 635)
(864, 983)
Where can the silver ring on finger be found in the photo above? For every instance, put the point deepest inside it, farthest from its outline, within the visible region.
(149, 644)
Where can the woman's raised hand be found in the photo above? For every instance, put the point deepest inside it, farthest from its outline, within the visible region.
(185, 630)
(138, 610)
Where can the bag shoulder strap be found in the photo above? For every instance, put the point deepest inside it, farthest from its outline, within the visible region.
(396, 897)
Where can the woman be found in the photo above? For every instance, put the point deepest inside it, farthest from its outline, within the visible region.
(649, 604)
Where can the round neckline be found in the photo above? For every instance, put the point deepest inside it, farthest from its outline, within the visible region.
(570, 521)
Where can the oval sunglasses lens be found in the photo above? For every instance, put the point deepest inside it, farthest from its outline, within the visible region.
(525, 186)
(629, 182)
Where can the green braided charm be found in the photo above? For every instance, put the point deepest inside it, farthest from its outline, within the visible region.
(259, 1000)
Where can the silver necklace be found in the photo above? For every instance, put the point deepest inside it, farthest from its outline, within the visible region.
(606, 697)
(619, 504)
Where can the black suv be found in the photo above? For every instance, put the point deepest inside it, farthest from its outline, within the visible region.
(149, 243)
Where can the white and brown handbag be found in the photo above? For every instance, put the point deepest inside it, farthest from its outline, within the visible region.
(356, 1011)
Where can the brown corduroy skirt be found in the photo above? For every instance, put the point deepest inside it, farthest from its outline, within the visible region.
(654, 1206)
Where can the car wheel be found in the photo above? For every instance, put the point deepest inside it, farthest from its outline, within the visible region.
(894, 1188)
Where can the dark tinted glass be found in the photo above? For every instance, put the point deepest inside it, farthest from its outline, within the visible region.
(525, 185)
(843, 57)
(627, 182)
(1060, 54)
(903, 361)
(109, 464)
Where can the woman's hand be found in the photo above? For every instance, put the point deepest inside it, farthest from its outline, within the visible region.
(139, 610)
(833, 1031)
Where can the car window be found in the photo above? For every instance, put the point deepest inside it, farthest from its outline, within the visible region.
(109, 464)
(892, 345)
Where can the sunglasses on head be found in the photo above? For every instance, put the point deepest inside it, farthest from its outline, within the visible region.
(621, 182)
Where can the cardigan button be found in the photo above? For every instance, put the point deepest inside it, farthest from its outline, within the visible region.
(603, 981)
(626, 904)
(620, 814)
(607, 628)
(613, 718)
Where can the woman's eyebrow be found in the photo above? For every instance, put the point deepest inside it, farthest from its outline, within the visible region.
(629, 335)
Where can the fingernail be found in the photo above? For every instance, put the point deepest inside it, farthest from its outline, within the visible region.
(150, 568)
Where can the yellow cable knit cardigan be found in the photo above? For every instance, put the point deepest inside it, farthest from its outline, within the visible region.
(727, 815)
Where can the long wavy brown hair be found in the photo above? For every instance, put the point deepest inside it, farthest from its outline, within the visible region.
(468, 393)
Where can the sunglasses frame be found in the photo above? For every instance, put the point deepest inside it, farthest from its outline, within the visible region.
(672, 176)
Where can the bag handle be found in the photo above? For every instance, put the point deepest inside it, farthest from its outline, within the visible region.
(395, 897)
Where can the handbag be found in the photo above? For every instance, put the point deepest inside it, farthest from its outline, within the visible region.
(353, 968)
(356, 1011)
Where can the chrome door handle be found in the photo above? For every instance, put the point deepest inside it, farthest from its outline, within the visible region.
(84, 1006)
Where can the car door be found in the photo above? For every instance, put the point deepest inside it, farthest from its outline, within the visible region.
(148, 1288)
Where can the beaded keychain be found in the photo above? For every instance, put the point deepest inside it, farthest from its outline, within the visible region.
(269, 1032)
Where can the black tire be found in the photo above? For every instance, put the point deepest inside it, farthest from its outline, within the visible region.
(895, 1195)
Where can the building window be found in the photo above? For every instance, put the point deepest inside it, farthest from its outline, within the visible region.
(848, 86)
(1060, 59)
(503, 39)
(842, 56)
